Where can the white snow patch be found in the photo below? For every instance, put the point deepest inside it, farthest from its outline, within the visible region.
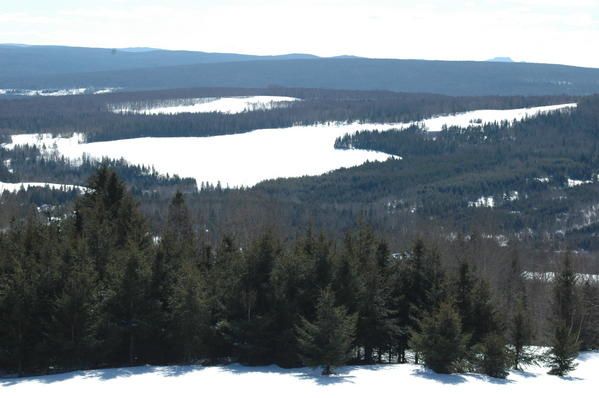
(228, 105)
(483, 201)
(574, 183)
(106, 90)
(17, 186)
(550, 277)
(511, 196)
(486, 116)
(55, 92)
(275, 382)
(233, 160)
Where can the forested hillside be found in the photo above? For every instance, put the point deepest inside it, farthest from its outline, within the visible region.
(63, 67)
(97, 288)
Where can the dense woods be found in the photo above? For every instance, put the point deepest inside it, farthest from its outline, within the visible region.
(96, 288)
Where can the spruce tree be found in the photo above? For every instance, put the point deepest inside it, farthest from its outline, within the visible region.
(327, 340)
(494, 357)
(75, 316)
(440, 340)
(589, 333)
(520, 335)
(565, 342)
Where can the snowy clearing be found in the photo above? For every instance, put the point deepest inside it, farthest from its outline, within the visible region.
(486, 116)
(246, 159)
(272, 381)
(228, 105)
(17, 186)
(55, 93)
(575, 183)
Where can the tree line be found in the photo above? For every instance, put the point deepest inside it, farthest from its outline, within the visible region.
(93, 114)
(97, 289)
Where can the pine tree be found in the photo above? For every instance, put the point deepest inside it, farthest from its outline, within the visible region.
(327, 341)
(75, 315)
(440, 340)
(188, 317)
(589, 334)
(419, 291)
(520, 335)
(565, 344)
(255, 331)
(494, 356)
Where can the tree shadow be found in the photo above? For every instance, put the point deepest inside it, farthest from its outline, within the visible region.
(315, 375)
(439, 377)
(456, 378)
(101, 374)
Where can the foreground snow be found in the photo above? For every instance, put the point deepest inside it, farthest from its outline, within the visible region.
(265, 382)
(246, 159)
(229, 105)
(17, 186)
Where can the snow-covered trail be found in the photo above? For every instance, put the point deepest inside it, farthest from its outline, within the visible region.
(266, 382)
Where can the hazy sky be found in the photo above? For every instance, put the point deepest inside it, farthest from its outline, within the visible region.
(552, 31)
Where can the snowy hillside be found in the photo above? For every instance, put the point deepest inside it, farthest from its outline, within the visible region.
(231, 381)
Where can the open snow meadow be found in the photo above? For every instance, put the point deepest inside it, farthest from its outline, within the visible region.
(246, 159)
(272, 381)
(228, 105)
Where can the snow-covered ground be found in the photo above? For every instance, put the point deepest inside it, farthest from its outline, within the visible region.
(55, 93)
(271, 381)
(246, 159)
(550, 277)
(233, 160)
(486, 116)
(229, 105)
(16, 186)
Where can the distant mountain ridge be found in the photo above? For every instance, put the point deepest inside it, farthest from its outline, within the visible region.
(20, 61)
(56, 67)
(500, 59)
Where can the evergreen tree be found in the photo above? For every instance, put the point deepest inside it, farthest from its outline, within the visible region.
(589, 333)
(419, 291)
(520, 335)
(494, 356)
(188, 316)
(327, 341)
(565, 342)
(75, 316)
(256, 330)
(440, 340)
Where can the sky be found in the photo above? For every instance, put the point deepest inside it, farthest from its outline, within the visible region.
(547, 31)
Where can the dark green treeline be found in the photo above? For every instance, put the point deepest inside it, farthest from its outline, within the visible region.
(96, 289)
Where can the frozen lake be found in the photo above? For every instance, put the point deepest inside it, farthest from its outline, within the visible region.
(246, 159)
(228, 105)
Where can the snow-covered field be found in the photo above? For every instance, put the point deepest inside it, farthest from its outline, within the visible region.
(271, 381)
(55, 93)
(485, 116)
(246, 159)
(16, 186)
(229, 105)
